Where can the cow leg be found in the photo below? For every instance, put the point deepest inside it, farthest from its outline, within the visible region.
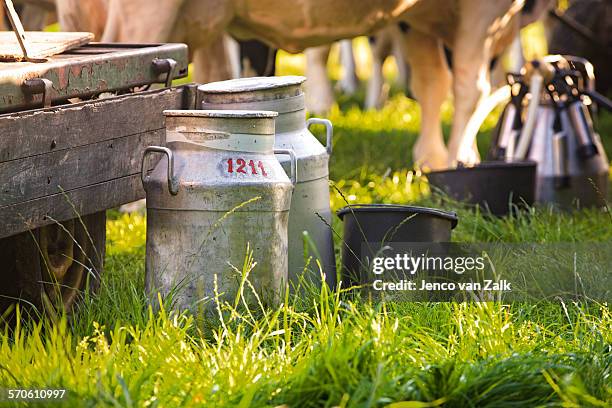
(349, 81)
(379, 46)
(233, 54)
(471, 56)
(403, 71)
(33, 18)
(471, 84)
(319, 93)
(211, 62)
(257, 58)
(430, 84)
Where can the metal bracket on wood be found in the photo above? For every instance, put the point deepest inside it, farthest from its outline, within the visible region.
(19, 31)
(165, 66)
(36, 86)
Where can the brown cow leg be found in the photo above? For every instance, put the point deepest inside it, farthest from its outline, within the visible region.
(430, 84)
(380, 46)
(319, 93)
(472, 50)
(471, 84)
(33, 18)
(211, 63)
(2, 24)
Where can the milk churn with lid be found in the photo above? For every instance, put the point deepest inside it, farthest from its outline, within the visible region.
(310, 207)
(217, 188)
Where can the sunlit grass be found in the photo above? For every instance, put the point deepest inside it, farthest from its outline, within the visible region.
(125, 233)
(332, 352)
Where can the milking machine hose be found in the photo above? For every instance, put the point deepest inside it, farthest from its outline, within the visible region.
(600, 99)
(535, 88)
(480, 114)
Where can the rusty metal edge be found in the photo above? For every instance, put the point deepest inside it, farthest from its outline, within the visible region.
(67, 74)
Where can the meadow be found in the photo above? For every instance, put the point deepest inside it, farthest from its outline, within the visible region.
(330, 347)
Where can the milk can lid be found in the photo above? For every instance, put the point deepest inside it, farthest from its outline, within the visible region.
(251, 84)
(246, 114)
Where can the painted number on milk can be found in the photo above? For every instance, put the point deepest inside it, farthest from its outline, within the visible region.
(242, 166)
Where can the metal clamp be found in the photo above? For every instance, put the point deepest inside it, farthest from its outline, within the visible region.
(36, 86)
(173, 184)
(165, 66)
(291, 154)
(329, 130)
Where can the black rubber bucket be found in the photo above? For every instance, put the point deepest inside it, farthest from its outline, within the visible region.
(495, 186)
(367, 227)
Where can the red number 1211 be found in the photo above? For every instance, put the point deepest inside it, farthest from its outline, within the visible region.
(241, 165)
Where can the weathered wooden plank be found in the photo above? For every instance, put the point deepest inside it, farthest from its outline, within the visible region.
(41, 131)
(20, 274)
(86, 124)
(60, 207)
(40, 44)
(51, 173)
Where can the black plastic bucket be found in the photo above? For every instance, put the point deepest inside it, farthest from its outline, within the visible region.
(367, 227)
(495, 186)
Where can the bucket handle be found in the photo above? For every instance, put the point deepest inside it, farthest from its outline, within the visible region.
(173, 184)
(291, 154)
(329, 131)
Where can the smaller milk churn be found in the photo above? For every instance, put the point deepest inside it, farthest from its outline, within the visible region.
(310, 216)
(217, 190)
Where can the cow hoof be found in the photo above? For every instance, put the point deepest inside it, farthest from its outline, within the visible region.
(469, 157)
(430, 158)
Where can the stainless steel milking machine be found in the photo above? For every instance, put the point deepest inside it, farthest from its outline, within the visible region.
(548, 120)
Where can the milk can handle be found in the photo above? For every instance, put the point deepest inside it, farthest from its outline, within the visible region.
(173, 184)
(291, 154)
(329, 130)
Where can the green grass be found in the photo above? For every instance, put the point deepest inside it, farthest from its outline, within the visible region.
(331, 352)
(329, 348)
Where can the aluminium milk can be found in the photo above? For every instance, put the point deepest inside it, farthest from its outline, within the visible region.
(217, 189)
(310, 208)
